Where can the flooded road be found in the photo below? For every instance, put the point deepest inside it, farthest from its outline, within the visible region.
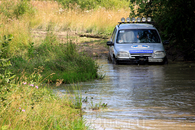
(141, 97)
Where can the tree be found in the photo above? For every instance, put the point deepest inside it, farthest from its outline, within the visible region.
(175, 19)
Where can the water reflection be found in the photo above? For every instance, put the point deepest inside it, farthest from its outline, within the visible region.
(145, 92)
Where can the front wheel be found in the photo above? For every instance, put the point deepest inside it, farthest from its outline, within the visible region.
(109, 57)
(165, 61)
(115, 61)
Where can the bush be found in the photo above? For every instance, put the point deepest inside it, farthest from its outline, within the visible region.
(170, 18)
(23, 7)
(92, 4)
(12, 9)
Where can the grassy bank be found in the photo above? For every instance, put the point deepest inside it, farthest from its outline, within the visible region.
(56, 56)
(59, 61)
(28, 60)
(27, 103)
(30, 105)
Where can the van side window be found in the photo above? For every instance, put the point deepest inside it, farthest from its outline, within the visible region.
(113, 35)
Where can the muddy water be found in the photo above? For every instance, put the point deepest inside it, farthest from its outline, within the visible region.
(141, 97)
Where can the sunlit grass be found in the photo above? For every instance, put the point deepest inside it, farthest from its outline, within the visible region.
(32, 106)
(50, 14)
(95, 21)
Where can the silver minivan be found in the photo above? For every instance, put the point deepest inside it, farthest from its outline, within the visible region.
(137, 42)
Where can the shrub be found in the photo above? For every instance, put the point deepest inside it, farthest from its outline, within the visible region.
(23, 7)
(14, 9)
(92, 4)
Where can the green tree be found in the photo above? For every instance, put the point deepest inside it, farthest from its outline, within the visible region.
(175, 19)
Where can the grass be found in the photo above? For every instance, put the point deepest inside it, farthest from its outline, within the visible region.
(33, 106)
(93, 4)
(25, 102)
(100, 20)
(61, 60)
(94, 106)
(28, 51)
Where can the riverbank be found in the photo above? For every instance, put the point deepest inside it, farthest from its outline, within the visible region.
(33, 53)
(33, 39)
(30, 105)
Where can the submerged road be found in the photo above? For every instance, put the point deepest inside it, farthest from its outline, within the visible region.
(141, 97)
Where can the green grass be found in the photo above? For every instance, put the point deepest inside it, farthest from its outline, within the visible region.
(61, 60)
(26, 102)
(32, 106)
(93, 4)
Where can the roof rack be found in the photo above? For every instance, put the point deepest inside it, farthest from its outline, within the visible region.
(138, 20)
(135, 22)
(151, 22)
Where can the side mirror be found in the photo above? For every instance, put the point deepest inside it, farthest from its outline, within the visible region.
(110, 43)
(166, 42)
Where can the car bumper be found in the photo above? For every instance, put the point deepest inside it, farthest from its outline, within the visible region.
(146, 59)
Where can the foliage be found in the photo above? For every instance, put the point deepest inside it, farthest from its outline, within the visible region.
(174, 19)
(77, 99)
(59, 59)
(14, 9)
(25, 103)
(92, 4)
(30, 105)
(5, 74)
(31, 50)
(94, 106)
(5, 46)
(23, 7)
(6, 8)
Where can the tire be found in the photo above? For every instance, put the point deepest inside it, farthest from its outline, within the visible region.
(109, 57)
(165, 61)
(115, 61)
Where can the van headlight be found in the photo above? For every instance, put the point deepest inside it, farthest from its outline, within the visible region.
(123, 54)
(158, 54)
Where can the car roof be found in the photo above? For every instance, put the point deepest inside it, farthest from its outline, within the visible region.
(135, 26)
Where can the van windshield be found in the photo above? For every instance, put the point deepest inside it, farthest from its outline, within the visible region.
(138, 36)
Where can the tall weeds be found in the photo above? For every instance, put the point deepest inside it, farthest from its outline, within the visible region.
(98, 20)
(61, 60)
(27, 104)
(40, 15)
